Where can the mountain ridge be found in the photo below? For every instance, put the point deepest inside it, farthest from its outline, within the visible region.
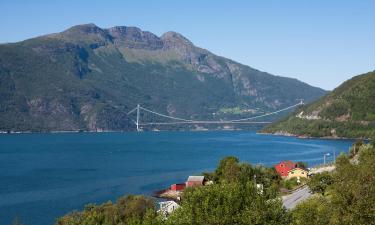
(346, 112)
(87, 78)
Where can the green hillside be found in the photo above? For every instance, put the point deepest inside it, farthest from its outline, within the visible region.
(88, 78)
(348, 111)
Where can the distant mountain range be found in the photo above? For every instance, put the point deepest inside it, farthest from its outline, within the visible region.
(88, 78)
(348, 111)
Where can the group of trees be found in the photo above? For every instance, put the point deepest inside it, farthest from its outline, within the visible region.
(346, 196)
(132, 209)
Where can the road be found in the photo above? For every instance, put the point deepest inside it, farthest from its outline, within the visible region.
(290, 201)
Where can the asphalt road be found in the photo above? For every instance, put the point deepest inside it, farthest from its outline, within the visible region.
(290, 201)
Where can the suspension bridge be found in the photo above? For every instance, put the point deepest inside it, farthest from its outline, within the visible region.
(177, 120)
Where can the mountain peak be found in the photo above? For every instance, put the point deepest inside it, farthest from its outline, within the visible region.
(86, 28)
(133, 37)
(123, 31)
(174, 37)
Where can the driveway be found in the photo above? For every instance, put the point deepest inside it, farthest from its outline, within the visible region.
(290, 201)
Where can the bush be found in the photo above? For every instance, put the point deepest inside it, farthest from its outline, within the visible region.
(228, 203)
(319, 183)
(129, 210)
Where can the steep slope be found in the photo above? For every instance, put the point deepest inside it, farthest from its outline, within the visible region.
(348, 111)
(88, 78)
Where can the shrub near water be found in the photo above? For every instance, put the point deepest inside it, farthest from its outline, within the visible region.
(228, 203)
(128, 210)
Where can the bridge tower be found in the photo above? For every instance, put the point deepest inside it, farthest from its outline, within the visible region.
(137, 123)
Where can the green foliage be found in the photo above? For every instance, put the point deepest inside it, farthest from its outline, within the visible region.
(129, 210)
(352, 193)
(354, 189)
(354, 149)
(302, 165)
(315, 211)
(292, 183)
(319, 183)
(228, 203)
(230, 170)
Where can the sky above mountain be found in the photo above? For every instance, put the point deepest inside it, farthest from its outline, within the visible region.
(320, 42)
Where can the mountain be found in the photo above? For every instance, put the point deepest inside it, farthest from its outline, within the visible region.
(348, 111)
(88, 78)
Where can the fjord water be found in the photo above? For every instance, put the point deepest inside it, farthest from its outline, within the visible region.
(44, 176)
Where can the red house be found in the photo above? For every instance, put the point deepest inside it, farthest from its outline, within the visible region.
(178, 187)
(284, 167)
(195, 181)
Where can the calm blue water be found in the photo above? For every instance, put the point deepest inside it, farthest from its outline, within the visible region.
(43, 176)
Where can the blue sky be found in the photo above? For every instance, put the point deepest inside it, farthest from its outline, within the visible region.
(320, 42)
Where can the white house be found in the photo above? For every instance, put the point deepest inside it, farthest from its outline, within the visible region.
(167, 207)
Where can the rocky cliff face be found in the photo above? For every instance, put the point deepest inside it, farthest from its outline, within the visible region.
(87, 77)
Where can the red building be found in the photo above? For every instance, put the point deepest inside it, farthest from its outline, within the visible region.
(283, 168)
(178, 187)
(195, 181)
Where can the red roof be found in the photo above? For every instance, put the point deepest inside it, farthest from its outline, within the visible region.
(284, 167)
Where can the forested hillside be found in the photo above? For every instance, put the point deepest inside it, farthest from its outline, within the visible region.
(348, 111)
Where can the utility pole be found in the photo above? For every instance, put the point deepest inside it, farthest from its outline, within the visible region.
(334, 156)
(137, 123)
(324, 157)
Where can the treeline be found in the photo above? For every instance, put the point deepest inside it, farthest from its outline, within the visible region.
(346, 196)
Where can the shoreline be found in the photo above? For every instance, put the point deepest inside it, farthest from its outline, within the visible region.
(282, 134)
(285, 134)
(116, 131)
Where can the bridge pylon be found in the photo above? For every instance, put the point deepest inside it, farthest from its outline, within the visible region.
(137, 123)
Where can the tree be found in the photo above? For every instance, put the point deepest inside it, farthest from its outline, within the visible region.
(318, 183)
(228, 203)
(355, 148)
(314, 211)
(301, 165)
(228, 170)
(132, 209)
(353, 192)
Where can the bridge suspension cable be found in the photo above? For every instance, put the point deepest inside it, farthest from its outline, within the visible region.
(267, 114)
(162, 115)
(189, 121)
